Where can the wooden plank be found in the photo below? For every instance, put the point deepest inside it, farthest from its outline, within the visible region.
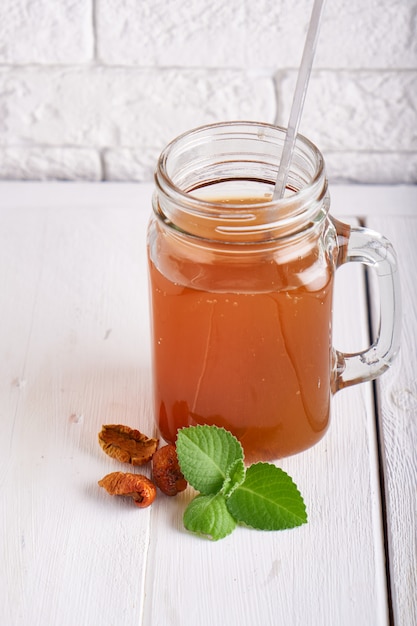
(74, 332)
(376, 200)
(397, 391)
(329, 572)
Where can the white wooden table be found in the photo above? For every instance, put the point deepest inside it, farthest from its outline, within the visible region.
(74, 354)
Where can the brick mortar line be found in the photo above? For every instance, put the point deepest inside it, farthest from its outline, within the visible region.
(259, 72)
(94, 30)
(103, 148)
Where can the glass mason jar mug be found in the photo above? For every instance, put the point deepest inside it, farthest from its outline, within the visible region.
(241, 290)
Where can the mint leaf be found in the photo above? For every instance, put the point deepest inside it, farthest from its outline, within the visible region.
(235, 476)
(205, 454)
(208, 515)
(262, 496)
(267, 499)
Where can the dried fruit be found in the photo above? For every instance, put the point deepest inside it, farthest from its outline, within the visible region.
(166, 471)
(126, 444)
(136, 486)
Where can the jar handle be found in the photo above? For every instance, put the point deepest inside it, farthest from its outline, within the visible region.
(362, 245)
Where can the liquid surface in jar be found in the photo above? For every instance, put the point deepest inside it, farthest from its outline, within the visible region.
(254, 358)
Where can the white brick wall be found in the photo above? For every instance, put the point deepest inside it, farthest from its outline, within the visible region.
(93, 89)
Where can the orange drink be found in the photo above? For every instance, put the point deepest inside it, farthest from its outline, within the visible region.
(241, 291)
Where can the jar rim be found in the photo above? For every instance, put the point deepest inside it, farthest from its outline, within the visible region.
(205, 155)
(167, 184)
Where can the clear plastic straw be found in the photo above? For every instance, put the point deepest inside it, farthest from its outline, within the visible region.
(299, 97)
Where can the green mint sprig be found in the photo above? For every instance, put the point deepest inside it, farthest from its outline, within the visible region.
(262, 496)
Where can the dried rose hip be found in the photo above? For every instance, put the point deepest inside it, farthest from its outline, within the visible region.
(166, 471)
(126, 444)
(135, 486)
